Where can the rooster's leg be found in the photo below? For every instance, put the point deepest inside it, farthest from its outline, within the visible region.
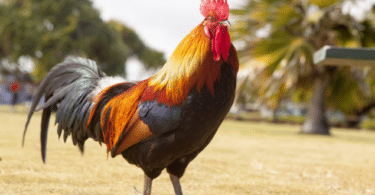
(147, 186)
(176, 184)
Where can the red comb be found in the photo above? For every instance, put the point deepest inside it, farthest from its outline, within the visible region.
(220, 7)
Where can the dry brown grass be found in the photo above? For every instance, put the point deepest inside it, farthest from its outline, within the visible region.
(243, 158)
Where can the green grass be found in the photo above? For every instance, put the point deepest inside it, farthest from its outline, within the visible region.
(243, 158)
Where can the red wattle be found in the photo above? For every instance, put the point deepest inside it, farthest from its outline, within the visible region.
(225, 42)
(221, 43)
(216, 44)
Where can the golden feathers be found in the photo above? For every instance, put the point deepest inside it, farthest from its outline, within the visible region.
(191, 65)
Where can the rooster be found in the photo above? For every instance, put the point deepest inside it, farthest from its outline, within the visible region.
(159, 123)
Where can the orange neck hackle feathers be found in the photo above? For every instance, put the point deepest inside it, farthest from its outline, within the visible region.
(191, 65)
(197, 59)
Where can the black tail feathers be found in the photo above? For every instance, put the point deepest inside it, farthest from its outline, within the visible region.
(67, 87)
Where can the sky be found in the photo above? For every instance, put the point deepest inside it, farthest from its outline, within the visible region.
(161, 24)
(358, 8)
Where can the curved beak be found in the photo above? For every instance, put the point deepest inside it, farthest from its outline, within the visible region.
(225, 23)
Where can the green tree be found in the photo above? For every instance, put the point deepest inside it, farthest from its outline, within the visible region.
(283, 35)
(49, 30)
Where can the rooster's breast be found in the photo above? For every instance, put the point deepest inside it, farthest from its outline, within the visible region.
(202, 113)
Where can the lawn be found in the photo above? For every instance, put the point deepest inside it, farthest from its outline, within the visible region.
(243, 158)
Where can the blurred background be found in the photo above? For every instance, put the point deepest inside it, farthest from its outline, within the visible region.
(278, 81)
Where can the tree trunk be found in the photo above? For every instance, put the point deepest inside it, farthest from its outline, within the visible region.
(316, 121)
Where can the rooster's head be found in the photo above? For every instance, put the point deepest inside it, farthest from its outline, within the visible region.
(216, 14)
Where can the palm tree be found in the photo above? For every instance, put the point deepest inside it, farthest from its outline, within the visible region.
(283, 35)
